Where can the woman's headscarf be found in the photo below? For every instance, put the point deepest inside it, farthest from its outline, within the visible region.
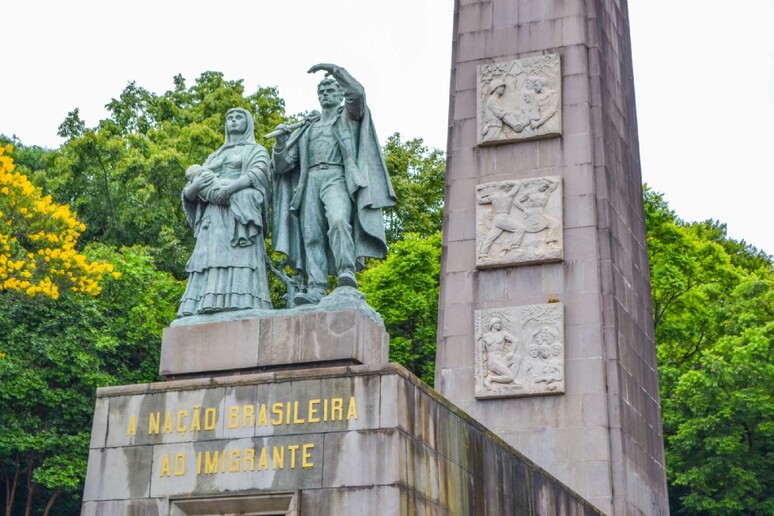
(248, 136)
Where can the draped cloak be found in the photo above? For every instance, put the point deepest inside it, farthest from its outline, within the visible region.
(366, 177)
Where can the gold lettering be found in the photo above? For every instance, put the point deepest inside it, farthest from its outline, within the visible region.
(233, 417)
(233, 461)
(196, 423)
(278, 457)
(154, 422)
(248, 415)
(179, 464)
(337, 406)
(293, 448)
(325, 409)
(307, 454)
(312, 412)
(297, 420)
(131, 429)
(263, 420)
(352, 409)
(287, 413)
(249, 458)
(276, 410)
(242, 460)
(210, 417)
(263, 460)
(211, 462)
(181, 426)
(165, 471)
(167, 423)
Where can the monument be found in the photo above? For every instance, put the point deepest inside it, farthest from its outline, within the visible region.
(331, 184)
(545, 331)
(296, 411)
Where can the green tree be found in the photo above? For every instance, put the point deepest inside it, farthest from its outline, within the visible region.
(404, 290)
(721, 414)
(27, 158)
(417, 175)
(713, 302)
(54, 355)
(404, 287)
(691, 278)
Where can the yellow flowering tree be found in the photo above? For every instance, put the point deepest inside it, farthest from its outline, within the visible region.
(37, 241)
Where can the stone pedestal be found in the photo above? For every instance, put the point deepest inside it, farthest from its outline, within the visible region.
(307, 339)
(341, 440)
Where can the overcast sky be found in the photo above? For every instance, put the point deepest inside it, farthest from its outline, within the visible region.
(704, 77)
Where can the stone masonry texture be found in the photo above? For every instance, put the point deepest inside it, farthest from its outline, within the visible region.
(603, 437)
(406, 450)
(320, 338)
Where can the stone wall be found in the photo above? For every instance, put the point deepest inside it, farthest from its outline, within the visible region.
(392, 446)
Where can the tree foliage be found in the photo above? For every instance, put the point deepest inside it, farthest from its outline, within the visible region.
(417, 175)
(404, 290)
(54, 355)
(404, 287)
(713, 301)
(38, 240)
(125, 175)
(26, 158)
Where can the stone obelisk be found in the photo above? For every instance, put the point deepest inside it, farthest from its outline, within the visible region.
(545, 328)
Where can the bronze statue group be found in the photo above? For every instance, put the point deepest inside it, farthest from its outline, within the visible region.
(323, 189)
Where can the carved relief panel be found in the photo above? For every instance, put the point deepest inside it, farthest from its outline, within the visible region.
(519, 100)
(519, 351)
(519, 222)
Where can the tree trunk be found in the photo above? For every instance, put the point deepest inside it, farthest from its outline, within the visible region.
(30, 487)
(50, 503)
(10, 489)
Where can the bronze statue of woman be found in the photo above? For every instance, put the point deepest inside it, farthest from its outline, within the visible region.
(225, 201)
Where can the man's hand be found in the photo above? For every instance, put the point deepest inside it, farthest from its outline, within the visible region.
(282, 132)
(329, 68)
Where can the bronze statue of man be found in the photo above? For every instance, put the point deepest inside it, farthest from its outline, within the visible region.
(331, 184)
